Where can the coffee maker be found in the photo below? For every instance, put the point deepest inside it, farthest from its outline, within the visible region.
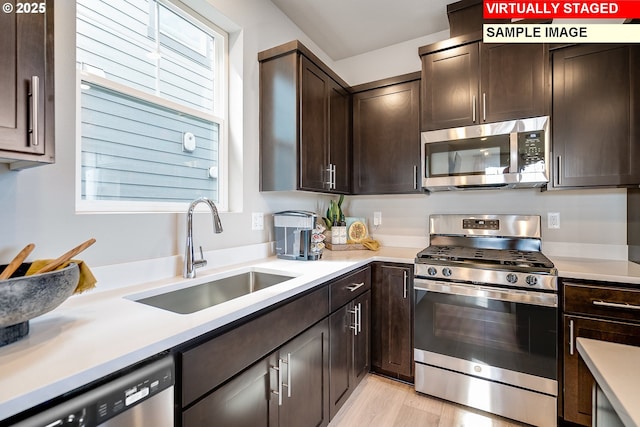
(293, 230)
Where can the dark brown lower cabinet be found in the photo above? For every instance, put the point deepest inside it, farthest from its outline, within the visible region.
(306, 393)
(600, 311)
(288, 388)
(578, 381)
(392, 320)
(242, 402)
(349, 332)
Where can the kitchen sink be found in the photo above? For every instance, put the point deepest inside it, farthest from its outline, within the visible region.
(205, 295)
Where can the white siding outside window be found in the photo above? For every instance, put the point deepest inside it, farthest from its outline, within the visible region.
(152, 97)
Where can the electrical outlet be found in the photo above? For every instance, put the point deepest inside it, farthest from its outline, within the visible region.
(553, 219)
(257, 221)
(377, 218)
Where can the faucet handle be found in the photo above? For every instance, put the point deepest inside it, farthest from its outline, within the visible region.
(200, 262)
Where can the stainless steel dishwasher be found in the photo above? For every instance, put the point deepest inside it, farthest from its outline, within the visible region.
(141, 397)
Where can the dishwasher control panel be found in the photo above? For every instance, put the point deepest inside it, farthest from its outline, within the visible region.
(132, 390)
(113, 402)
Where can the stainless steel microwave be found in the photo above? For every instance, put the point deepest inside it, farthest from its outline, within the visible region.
(510, 154)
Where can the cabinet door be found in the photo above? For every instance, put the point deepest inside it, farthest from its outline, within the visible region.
(341, 324)
(450, 88)
(392, 321)
(386, 139)
(245, 401)
(339, 142)
(578, 381)
(595, 121)
(314, 125)
(26, 45)
(306, 378)
(362, 341)
(512, 81)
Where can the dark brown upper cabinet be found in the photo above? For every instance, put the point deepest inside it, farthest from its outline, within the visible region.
(26, 85)
(386, 136)
(596, 119)
(466, 82)
(304, 123)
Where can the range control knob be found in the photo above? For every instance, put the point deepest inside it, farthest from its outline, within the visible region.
(531, 280)
(446, 272)
(431, 271)
(512, 278)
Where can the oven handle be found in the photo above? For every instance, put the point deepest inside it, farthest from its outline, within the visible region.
(517, 296)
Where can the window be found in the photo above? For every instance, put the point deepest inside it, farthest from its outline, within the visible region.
(152, 107)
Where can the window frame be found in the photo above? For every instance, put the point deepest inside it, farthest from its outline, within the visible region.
(219, 115)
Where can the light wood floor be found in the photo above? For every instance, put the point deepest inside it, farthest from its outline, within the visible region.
(382, 402)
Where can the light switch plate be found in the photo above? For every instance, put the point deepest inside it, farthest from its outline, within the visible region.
(377, 218)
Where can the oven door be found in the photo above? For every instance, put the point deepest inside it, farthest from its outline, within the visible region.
(502, 335)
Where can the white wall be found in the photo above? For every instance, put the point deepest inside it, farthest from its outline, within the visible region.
(37, 205)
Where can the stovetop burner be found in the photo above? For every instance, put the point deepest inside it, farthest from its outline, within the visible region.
(497, 257)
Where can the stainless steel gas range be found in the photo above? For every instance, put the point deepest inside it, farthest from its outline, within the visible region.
(485, 329)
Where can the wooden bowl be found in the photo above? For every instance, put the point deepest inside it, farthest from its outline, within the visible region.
(25, 297)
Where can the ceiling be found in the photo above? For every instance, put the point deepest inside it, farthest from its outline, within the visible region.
(344, 28)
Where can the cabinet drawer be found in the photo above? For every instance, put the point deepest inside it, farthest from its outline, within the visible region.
(347, 288)
(211, 363)
(606, 301)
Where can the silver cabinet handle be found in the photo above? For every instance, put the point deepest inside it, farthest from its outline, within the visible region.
(616, 305)
(355, 320)
(406, 286)
(359, 317)
(333, 182)
(288, 384)
(330, 181)
(415, 177)
(484, 106)
(278, 393)
(35, 108)
(571, 348)
(473, 108)
(355, 286)
(559, 170)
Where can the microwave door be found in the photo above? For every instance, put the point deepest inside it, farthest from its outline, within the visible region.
(468, 162)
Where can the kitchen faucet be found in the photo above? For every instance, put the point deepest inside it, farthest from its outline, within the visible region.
(190, 264)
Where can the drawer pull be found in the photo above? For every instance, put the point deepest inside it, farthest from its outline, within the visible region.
(616, 305)
(355, 286)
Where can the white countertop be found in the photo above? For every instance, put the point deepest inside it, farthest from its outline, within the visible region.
(97, 333)
(597, 269)
(100, 332)
(616, 369)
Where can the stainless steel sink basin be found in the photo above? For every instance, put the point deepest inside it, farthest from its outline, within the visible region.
(198, 297)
